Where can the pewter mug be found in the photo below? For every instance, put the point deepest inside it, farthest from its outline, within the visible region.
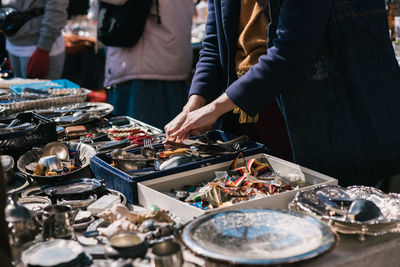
(58, 222)
(167, 254)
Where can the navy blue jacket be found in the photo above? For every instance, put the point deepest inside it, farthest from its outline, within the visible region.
(333, 68)
(300, 32)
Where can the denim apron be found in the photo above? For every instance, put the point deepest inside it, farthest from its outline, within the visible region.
(343, 115)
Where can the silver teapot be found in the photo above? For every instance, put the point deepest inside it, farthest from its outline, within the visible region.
(22, 223)
(58, 222)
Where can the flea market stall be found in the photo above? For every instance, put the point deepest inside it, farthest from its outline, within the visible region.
(86, 188)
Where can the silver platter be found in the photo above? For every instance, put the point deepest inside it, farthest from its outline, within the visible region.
(72, 96)
(258, 237)
(52, 253)
(80, 113)
(312, 203)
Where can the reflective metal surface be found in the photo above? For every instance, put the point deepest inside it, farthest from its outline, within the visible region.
(57, 149)
(166, 254)
(86, 152)
(58, 222)
(258, 237)
(22, 223)
(333, 203)
(52, 253)
(7, 163)
(76, 188)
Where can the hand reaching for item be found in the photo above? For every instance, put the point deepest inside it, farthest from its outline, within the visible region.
(199, 120)
(38, 65)
(195, 102)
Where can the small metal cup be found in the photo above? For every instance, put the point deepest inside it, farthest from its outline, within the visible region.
(58, 222)
(167, 254)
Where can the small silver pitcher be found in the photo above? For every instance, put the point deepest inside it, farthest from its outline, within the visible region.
(58, 222)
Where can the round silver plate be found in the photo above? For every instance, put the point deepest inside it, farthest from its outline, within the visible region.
(52, 253)
(258, 237)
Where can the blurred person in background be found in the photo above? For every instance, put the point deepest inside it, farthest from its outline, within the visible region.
(148, 80)
(331, 68)
(37, 49)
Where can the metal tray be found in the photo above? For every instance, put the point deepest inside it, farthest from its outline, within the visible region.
(81, 187)
(74, 96)
(314, 203)
(258, 237)
(62, 253)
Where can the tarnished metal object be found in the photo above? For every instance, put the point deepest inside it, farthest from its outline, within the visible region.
(349, 209)
(58, 222)
(7, 162)
(56, 149)
(22, 223)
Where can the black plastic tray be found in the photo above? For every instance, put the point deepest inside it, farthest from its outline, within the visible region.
(17, 142)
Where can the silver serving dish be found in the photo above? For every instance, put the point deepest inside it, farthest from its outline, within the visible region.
(86, 153)
(55, 252)
(78, 113)
(258, 237)
(60, 97)
(78, 203)
(35, 204)
(317, 202)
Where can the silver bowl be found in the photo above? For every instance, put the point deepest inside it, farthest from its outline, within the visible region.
(34, 155)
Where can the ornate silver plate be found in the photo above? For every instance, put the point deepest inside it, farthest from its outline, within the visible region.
(258, 237)
(52, 253)
(318, 202)
(74, 96)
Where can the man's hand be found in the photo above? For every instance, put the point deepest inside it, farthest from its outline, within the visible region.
(194, 102)
(38, 65)
(201, 120)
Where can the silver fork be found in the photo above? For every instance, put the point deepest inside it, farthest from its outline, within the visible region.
(148, 151)
(147, 142)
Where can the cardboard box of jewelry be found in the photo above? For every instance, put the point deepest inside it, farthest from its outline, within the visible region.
(217, 187)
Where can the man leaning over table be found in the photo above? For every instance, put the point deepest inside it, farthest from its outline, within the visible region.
(332, 70)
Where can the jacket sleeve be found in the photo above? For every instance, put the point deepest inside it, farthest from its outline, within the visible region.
(208, 80)
(300, 32)
(53, 21)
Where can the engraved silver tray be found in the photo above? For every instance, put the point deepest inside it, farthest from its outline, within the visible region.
(258, 237)
(73, 96)
(311, 202)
